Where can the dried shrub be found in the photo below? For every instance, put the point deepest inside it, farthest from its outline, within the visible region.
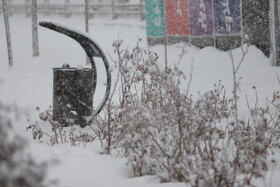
(59, 134)
(165, 131)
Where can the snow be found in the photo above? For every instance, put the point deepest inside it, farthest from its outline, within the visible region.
(29, 84)
(67, 27)
(80, 67)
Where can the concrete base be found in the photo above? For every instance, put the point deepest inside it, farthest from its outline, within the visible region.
(228, 42)
(203, 41)
(155, 40)
(177, 39)
(222, 42)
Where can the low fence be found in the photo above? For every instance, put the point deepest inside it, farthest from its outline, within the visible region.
(225, 24)
(69, 8)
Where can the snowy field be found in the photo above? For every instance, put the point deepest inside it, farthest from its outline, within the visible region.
(29, 84)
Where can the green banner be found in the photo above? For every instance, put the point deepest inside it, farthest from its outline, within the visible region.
(155, 18)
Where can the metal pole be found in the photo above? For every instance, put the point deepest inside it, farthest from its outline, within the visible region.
(8, 34)
(165, 33)
(113, 10)
(277, 34)
(35, 40)
(66, 9)
(274, 34)
(142, 6)
(27, 8)
(46, 7)
(86, 15)
(87, 23)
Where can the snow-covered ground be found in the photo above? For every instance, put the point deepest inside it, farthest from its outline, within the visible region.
(29, 84)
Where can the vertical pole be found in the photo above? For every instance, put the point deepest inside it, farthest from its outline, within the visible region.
(241, 23)
(272, 31)
(86, 16)
(165, 32)
(277, 34)
(8, 33)
(35, 40)
(142, 14)
(274, 34)
(214, 29)
(66, 8)
(27, 8)
(46, 7)
(87, 23)
(113, 10)
(10, 5)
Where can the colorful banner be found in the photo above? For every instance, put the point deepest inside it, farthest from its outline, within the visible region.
(177, 17)
(155, 18)
(192, 17)
(227, 16)
(201, 17)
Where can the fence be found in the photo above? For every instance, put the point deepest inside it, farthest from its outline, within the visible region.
(225, 24)
(68, 8)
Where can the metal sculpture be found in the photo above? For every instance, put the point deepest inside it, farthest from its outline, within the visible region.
(74, 88)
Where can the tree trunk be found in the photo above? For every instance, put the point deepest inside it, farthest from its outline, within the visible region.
(35, 40)
(8, 34)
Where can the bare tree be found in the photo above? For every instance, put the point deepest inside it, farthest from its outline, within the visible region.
(35, 40)
(8, 33)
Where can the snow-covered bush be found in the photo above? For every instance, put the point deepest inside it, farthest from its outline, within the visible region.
(165, 131)
(57, 133)
(17, 168)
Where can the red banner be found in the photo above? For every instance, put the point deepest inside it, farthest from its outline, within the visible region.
(177, 17)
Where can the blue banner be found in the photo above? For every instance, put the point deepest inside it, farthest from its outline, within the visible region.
(155, 18)
(227, 16)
